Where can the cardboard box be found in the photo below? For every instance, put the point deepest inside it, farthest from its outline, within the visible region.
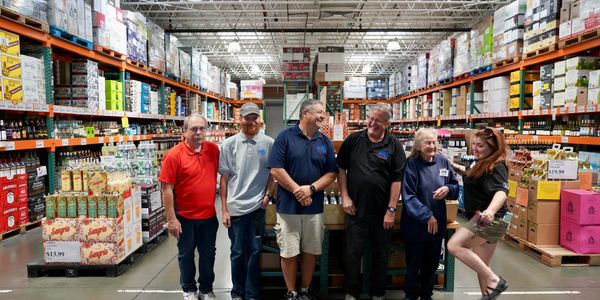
(577, 78)
(587, 179)
(578, 238)
(9, 218)
(333, 214)
(10, 43)
(580, 206)
(513, 230)
(521, 196)
(60, 229)
(582, 63)
(101, 230)
(270, 261)
(577, 96)
(11, 66)
(543, 212)
(12, 90)
(102, 253)
(543, 234)
(549, 190)
(593, 96)
(523, 230)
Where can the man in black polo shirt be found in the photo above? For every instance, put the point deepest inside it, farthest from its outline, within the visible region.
(371, 165)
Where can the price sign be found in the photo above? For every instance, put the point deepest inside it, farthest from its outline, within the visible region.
(62, 252)
(39, 144)
(562, 169)
(83, 141)
(9, 146)
(125, 122)
(65, 142)
(42, 171)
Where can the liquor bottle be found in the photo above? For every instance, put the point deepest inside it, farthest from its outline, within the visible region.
(2, 131)
(23, 131)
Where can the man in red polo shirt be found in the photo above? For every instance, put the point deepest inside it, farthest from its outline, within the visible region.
(189, 186)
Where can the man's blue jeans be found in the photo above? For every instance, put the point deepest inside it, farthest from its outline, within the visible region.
(245, 234)
(200, 235)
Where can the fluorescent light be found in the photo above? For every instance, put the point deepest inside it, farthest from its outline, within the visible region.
(393, 45)
(255, 70)
(233, 47)
(366, 69)
(255, 58)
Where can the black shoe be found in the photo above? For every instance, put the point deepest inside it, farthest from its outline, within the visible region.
(291, 295)
(308, 295)
(500, 287)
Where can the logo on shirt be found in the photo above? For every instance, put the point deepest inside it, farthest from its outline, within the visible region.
(262, 151)
(505, 185)
(321, 149)
(383, 154)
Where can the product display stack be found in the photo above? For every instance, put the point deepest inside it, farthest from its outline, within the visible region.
(13, 194)
(377, 89)
(508, 33)
(462, 55)
(579, 223)
(577, 17)
(12, 87)
(76, 84)
(137, 37)
(441, 59)
(542, 21)
(523, 87)
(355, 88)
(156, 48)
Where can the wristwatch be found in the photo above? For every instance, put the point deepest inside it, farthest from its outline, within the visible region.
(313, 189)
(392, 209)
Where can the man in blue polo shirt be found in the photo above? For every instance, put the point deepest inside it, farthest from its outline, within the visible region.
(302, 161)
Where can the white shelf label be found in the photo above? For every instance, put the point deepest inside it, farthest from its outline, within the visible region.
(101, 140)
(9, 146)
(39, 144)
(42, 171)
(562, 169)
(83, 141)
(111, 139)
(62, 252)
(591, 108)
(120, 138)
(565, 139)
(42, 107)
(65, 142)
(535, 137)
(571, 109)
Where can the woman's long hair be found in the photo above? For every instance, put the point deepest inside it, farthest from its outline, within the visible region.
(420, 135)
(495, 140)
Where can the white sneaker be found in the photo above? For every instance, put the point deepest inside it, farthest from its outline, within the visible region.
(209, 296)
(190, 296)
(349, 297)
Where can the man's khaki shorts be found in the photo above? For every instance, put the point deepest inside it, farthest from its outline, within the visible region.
(299, 233)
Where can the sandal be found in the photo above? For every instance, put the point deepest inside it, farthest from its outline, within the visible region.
(501, 287)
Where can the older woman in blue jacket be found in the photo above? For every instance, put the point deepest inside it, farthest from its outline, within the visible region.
(428, 181)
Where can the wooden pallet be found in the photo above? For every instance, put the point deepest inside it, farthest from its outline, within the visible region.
(432, 85)
(154, 242)
(204, 89)
(445, 81)
(171, 76)
(185, 81)
(136, 63)
(195, 86)
(554, 256)
(506, 62)
(110, 52)
(420, 89)
(330, 83)
(579, 38)
(20, 230)
(462, 76)
(156, 71)
(481, 70)
(59, 33)
(540, 51)
(23, 19)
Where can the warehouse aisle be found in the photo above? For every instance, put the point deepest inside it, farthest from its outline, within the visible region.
(157, 276)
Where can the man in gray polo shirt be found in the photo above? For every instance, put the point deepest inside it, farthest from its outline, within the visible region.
(245, 180)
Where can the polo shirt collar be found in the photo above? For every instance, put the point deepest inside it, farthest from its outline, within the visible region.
(189, 149)
(241, 137)
(298, 131)
(387, 137)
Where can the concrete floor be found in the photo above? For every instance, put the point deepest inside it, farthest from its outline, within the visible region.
(156, 275)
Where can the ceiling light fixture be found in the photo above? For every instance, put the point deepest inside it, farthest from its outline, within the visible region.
(255, 70)
(366, 69)
(393, 45)
(233, 47)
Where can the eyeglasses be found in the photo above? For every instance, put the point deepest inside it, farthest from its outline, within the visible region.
(196, 129)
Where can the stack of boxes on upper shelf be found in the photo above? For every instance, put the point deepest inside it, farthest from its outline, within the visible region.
(12, 89)
(462, 54)
(377, 89)
(109, 29)
(76, 83)
(295, 64)
(508, 32)
(36, 9)
(355, 88)
(329, 65)
(578, 17)
(137, 36)
(544, 197)
(541, 26)
(526, 91)
(441, 59)
(481, 46)
(75, 17)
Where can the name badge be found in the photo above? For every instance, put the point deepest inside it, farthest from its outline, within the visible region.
(444, 172)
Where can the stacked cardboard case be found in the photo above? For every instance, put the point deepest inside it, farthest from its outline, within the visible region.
(482, 44)
(251, 89)
(541, 25)
(13, 202)
(34, 83)
(10, 57)
(392, 85)
(594, 88)
(422, 65)
(355, 88)
(205, 66)
(172, 54)
(579, 223)
(137, 96)
(196, 57)
(377, 89)
(578, 17)
(156, 46)
(527, 90)
(185, 65)
(509, 30)
(153, 217)
(462, 54)
(410, 76)
(577, 78)
(72, 16)
(36, 9)
(109, 28)
(215, 79)
(329, 64)
(137, 36)
(296, 64)
(496, 94)
(76, 84)
(459, 101)
(441, 58)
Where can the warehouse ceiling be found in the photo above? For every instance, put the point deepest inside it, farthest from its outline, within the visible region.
(262, 28)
